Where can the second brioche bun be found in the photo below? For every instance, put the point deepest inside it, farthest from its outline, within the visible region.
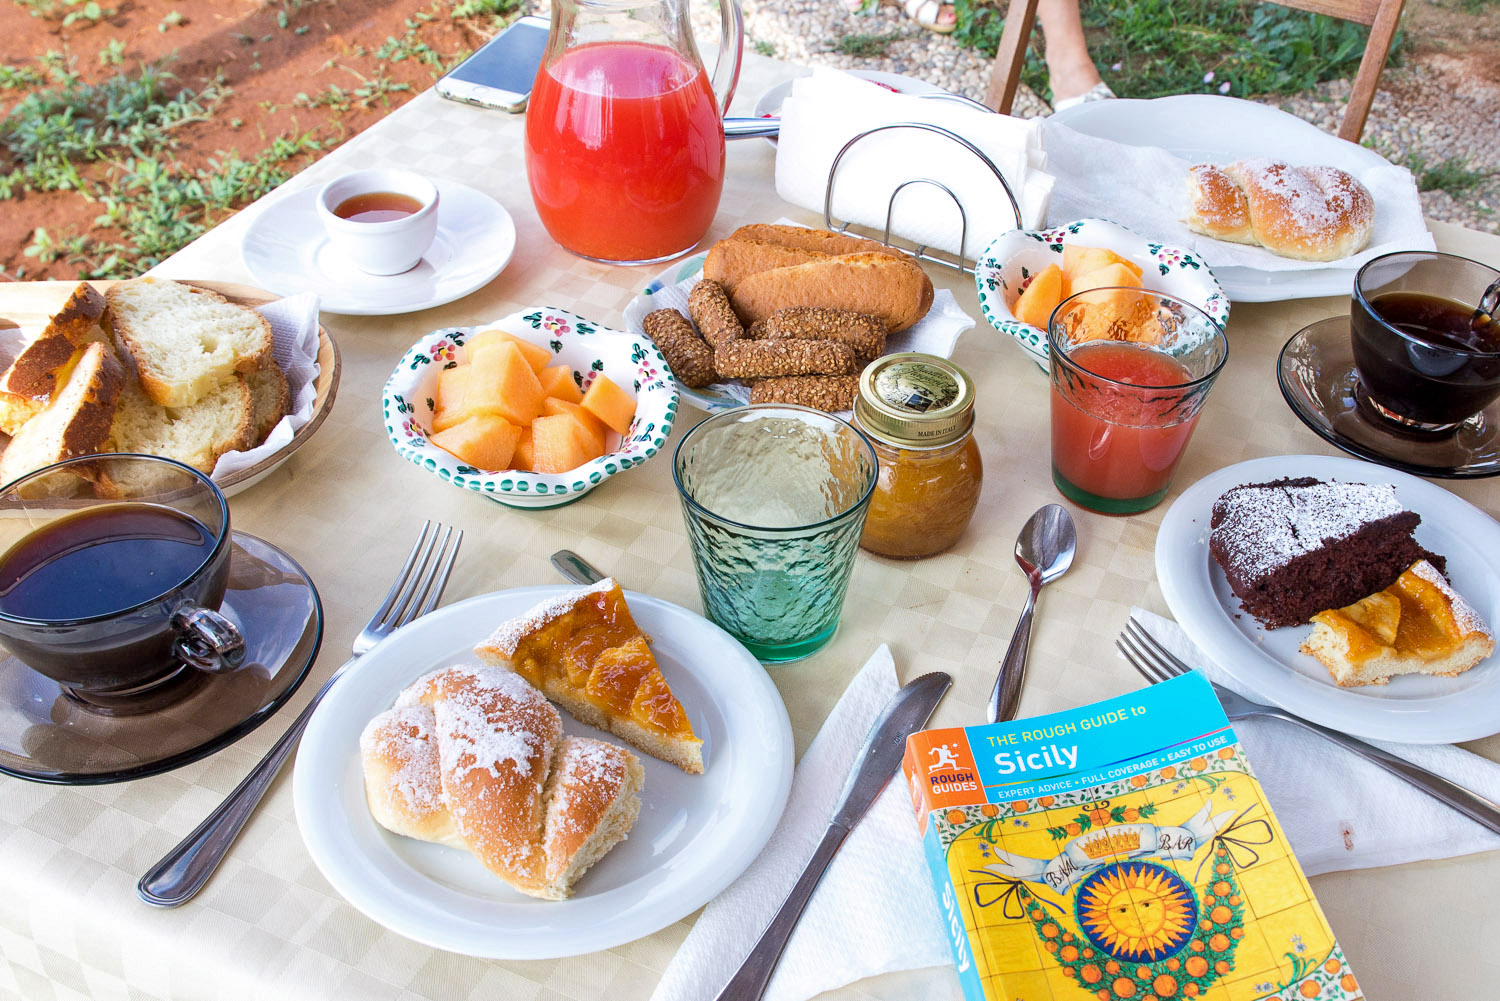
(1303, 213)
(892, 288)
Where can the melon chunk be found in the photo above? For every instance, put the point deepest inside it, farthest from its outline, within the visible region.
(501, 382)
(553, 407)
(557, 380)
(559, 444)
(610, 404)
(448, 408)
(1079, 261)
(483, 441)
(537, 356)
(1114, 307)
(522, 457)
(1041, 297)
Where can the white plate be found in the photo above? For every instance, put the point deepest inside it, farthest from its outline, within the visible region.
(768, 105)
(1416, 709)
(1208, 127)
(695, 833)
(288, 251)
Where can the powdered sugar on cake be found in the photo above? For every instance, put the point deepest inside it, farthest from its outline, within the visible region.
(1275, 524)
(509, 634)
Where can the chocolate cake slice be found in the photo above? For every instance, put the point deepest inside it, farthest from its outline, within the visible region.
(1294, 547)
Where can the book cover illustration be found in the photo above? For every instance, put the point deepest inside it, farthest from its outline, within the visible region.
(1120, 851)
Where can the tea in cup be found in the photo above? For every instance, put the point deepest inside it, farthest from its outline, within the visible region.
(1427, 359)
(110, 597)
(382, 219)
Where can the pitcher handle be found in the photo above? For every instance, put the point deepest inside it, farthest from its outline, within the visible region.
(732, 41)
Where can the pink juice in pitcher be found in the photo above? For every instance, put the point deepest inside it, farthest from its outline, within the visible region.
(624, 151)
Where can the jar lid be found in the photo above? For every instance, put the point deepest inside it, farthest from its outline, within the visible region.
(915, 400)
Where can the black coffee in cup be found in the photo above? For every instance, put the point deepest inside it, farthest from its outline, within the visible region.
(1424, 358)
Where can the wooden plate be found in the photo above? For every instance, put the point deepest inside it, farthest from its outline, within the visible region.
(28, 305)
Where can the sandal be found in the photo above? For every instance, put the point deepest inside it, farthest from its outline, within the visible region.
(927, 12)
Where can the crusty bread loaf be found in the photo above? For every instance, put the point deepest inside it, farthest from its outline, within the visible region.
(75, 422)
(196, 434)
(822, 241)
(731, 261)
(271, 398)
(1303, 213)
(895, 290)
(475, 758)
(185, 340)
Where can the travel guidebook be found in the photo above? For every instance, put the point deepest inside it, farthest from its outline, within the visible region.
(1123, 850)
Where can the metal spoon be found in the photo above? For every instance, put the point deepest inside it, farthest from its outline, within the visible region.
(1489, 305)
(1044, 549)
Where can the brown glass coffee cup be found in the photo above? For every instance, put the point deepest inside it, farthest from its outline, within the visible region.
(1426, 362)
(112, 569)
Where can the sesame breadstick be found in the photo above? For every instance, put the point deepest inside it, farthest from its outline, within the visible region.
(760, 359)
(861, 331)
(691, 358)
(713, 315)
(830, 393)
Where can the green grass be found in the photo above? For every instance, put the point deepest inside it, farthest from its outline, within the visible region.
(866, 46)
(113, 143)
(1152, 48)
(1454, 175)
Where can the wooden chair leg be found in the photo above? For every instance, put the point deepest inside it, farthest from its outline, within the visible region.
(1005, 74)
(1367, 80)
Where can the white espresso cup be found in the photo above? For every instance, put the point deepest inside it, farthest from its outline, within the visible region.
(381, 248)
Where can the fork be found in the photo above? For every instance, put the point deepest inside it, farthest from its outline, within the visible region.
(1156, 663)
(419, 586)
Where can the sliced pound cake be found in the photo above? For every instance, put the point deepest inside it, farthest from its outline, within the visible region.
(76, 422)
(196, 435)
(185, 340)
(43, 364)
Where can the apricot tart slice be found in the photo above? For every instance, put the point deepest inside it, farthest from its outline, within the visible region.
(585, 652)
(1418, 625)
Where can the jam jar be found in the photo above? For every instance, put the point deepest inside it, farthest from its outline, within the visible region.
(918, 411)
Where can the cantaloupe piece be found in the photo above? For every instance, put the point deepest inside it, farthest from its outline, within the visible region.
(557, 380)
(559, 444)
(610, 404)
(1078, 261)
(448, 401)
(553, 407)
(537, 356)
(483, 441)
(1040, 297)
(1109, 276)
(522, 457)
(1114, 309)
(502, 383)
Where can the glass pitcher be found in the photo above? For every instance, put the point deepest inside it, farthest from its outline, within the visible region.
(624, 130)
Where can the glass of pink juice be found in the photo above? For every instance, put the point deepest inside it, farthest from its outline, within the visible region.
(624, 151)
(1131, 370)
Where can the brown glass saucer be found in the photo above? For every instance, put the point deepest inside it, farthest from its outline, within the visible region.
(48, 735)
(1317, 377)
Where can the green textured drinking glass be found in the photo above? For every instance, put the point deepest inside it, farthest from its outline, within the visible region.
(774, 497)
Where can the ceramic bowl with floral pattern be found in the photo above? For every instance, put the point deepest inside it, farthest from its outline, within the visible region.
(590, 350)
(1008, 263)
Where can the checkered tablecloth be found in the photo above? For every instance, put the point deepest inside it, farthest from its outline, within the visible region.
(346, 506)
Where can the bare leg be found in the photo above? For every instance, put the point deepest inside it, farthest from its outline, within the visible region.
(1069, 66)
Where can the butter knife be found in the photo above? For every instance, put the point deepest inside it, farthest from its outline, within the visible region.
(877, 762)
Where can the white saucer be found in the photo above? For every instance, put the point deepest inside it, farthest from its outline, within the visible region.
(288, 251)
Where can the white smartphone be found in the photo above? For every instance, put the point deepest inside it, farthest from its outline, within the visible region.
(501, 73)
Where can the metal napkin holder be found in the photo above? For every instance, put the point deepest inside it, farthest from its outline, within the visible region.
(922, 251)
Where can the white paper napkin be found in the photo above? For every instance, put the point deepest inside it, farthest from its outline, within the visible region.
(873, 912)
(1338, 810)
(1145, 189)
(824, 111)
(294, 326)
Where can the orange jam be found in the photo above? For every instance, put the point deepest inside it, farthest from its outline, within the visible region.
(918, 411)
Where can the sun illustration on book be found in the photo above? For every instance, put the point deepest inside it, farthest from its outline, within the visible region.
(1136, 911)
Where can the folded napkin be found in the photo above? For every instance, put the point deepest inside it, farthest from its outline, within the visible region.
(873, 912)
(1338, 810)
(827, 109)
(294, 328)
(1145, 189)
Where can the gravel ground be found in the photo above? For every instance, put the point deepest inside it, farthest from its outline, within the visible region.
(1430, 111)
